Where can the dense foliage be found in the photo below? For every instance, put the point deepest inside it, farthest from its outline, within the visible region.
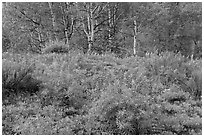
(124, 28)
(77, 93)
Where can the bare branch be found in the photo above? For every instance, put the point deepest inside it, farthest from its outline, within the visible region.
(84, 29)
(100, 11)
(94, 10)
(71, 28)
(30, 19)
(119, 15)
(104, 21)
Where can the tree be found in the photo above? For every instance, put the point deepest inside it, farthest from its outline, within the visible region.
(53, 20)
(87, 11)
(137, 25)
(93, 19)
(25, 25)
(177, 27)
(68, 20)
(189, 33)
(131, 27)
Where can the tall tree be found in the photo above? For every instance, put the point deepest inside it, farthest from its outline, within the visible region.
(115, 26)
(88, 21)
(189, 33)
(53, 20)
(136, 24)
(24, 20)
(92, 18)
(68, 20)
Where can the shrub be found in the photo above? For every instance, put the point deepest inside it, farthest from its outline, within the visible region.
(42, 122)
(56, 47)
(121, 108)
(17, 79)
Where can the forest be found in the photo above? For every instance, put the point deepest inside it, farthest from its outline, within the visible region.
(102, 68)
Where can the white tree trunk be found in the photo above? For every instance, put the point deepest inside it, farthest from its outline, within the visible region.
(109, 23)
(63, 10)
(53, 21)
(135, 46)
(91, 15)
(90, 27)
(49, 37)
(40, 37)
(135, 38)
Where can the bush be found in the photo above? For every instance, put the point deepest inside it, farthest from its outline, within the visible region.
(17, 79)
(56, 47)
(120, 110)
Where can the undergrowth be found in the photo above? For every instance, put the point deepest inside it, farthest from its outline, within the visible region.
(76, 93)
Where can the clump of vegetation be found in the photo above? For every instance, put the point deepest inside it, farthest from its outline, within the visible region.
(17, 79)
(103, 94)
(56, 47)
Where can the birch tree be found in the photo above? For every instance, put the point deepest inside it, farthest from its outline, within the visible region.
(134, 21)
(53, 21)
(25, 21)
(87, 21)
(68, 20)
(92, 18)
(114, 16)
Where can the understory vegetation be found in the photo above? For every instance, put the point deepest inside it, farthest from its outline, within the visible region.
(89, 94)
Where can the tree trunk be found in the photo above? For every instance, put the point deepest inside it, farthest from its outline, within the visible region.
(53, 21)
(109, 23)
(134, 45)
(40, 38)
(69, 27)
(64, 23)
(135, 38)
(90, 43)
(90, 27)
(49, 37)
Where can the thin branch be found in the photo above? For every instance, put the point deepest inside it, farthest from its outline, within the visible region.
(84, 29)
(71, 28)
(103, 21)
(94, 10)
(100, 11)
(30, 19)
(119, 16)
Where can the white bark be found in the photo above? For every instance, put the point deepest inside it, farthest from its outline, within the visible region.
(109, 23)
(89, 31)
(135, 38)
(53, 21)
(91, 26)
